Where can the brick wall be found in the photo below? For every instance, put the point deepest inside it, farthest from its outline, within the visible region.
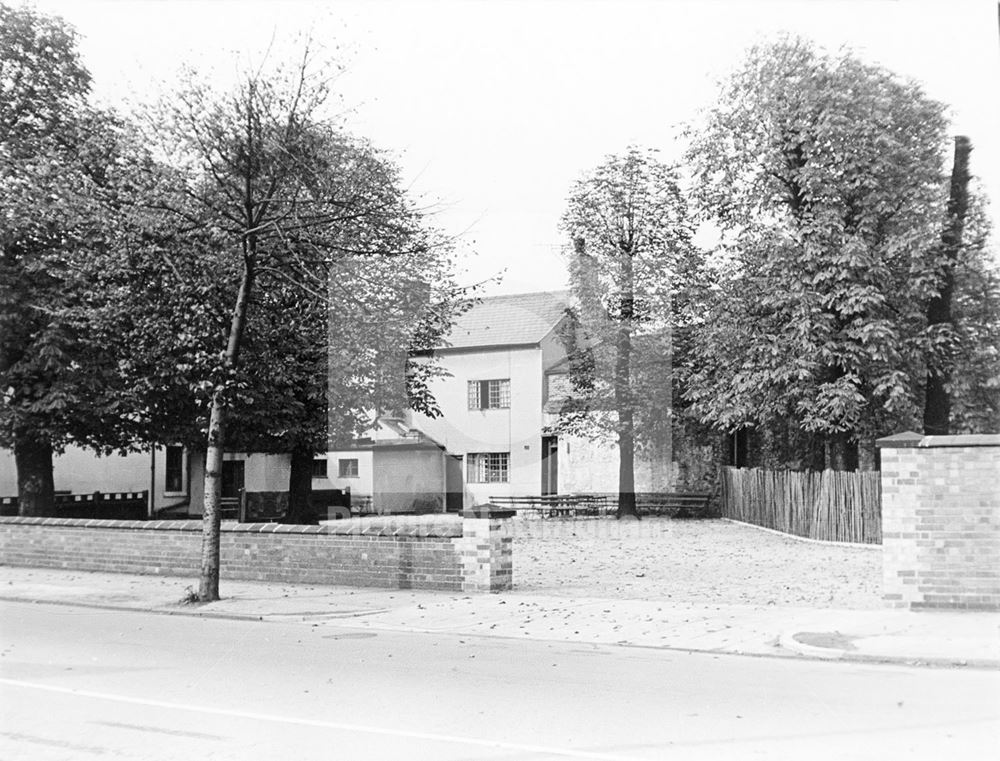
(941, 521)
(441, 552)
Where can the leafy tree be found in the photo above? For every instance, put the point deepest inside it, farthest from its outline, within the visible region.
(168, 299)
(57, 161)
(316, 374)
(391, 314)
(973, 385)
(287, 195)
(825, 173)
(372, 305)
(165, 294)
(631, 256)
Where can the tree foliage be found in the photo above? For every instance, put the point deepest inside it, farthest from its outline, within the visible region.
(826, 176)
(974, 343)
(286, 198)
(631, 259)
(320, 365)
(124, 254)
(58, 163)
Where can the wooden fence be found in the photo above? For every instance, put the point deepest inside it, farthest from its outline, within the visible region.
(837, 506)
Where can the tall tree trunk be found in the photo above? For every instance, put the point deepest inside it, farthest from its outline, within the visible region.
(626, 466)
(208, 586)
(300, 509)
(937, 401)
(623, 395)
(835, 452)
(769, 447)
(815, 449)
(35, 487)
(866, 452)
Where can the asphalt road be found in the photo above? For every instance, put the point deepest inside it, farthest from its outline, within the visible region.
(80, 683)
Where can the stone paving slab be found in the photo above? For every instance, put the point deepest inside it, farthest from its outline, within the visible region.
(931, 637)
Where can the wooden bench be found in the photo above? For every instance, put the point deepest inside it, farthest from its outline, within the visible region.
(675, 504)
(555, 505)
(231, 508)
(518, 504)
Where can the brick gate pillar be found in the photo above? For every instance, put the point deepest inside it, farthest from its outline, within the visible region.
(941, 521)
(486, 549)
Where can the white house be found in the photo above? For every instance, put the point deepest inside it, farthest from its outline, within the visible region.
(505, 366)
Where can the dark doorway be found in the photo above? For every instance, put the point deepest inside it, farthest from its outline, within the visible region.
(550, 465)
(738, 448)
(232, 503)
(454, 499)
(233, 474)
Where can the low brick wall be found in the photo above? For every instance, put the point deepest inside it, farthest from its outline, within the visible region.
(941, 521)
(470, 553)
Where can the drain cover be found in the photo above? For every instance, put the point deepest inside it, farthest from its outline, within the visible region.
(350, 635)
(834, 640)
(326, 614)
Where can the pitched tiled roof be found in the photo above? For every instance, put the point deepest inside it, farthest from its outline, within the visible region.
(523, 318)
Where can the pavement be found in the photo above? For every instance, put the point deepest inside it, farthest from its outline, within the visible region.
(919, 638)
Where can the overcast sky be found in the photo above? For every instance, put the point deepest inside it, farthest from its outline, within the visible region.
(494, 108)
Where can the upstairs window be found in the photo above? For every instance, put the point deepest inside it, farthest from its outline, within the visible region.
(489, 394)
(347, 468)
(488, 467)
(319, 467)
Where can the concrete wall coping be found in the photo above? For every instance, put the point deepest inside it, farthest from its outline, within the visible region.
(910, 440)
(436, 524)
(488, 510)
(443, 526)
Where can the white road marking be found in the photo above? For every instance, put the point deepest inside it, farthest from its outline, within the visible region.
(319, 723)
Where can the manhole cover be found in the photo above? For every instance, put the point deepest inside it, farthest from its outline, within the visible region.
(326, 614)
(833, 640)
(356, 613)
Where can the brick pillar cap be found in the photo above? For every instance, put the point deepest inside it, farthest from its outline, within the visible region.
(901, 440)
(909, 439)
(488, 510)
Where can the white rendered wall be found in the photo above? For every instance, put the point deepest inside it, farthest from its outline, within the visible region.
(362, 485)
(517, 430)
(81, 471)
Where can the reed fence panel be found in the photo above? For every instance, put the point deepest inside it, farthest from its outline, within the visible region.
(833, 505)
